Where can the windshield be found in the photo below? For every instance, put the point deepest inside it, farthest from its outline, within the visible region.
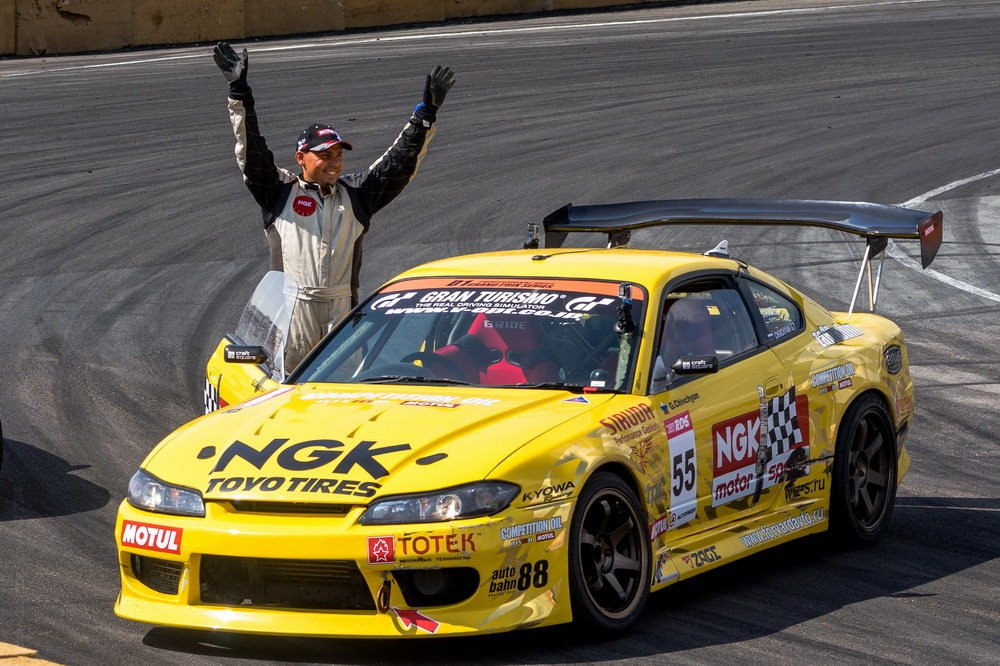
(529, 332)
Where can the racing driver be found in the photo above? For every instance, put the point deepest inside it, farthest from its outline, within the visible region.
(314, 221)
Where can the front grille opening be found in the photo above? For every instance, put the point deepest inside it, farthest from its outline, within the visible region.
(280, 583)
(254, 506)
(436, 587)
(163, 576)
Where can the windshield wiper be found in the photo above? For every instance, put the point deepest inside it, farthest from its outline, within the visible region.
(411, 379)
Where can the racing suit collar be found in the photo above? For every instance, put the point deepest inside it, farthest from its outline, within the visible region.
(323, 190)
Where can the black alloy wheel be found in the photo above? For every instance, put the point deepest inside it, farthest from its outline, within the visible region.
(864, 473)
(610, 569)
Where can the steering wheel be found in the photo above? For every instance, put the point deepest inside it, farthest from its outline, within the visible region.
(450, 368)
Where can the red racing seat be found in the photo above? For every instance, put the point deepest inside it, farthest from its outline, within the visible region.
(503, 349)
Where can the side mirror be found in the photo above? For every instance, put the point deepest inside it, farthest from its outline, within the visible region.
(245, 354)
(695, 365)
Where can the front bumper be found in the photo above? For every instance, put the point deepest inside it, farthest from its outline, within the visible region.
(326, 575)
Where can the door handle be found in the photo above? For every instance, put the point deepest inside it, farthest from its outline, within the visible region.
(773, 387)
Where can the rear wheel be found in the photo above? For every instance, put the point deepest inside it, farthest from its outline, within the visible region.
(609, 559)
(864, 473)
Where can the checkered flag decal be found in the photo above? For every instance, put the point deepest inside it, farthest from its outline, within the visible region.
(782, 423)
(211, 397)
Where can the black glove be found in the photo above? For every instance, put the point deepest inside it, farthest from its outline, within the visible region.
(439, 82)
(234, 67)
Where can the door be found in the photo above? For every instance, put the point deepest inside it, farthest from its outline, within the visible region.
(718, 409)
(264, 323)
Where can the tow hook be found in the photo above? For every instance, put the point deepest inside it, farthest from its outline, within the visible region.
(382, 598)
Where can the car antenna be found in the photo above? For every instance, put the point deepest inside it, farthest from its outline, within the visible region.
(720, 250)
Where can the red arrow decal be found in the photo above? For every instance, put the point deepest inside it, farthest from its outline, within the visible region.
(411, 618)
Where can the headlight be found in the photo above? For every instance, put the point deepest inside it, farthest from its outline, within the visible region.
(147, 492)
(476, 499)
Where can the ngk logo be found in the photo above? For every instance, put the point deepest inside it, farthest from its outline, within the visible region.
(304, 206)
(736, 442)
(151, 537)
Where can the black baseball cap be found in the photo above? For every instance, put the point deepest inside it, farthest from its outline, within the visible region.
(320, 137)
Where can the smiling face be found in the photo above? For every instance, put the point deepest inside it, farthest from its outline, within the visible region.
(322, 167)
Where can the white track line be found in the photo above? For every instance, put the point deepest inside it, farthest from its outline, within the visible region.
(905, 259)
(448, 34)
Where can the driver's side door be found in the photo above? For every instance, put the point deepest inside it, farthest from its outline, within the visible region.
(229, 377)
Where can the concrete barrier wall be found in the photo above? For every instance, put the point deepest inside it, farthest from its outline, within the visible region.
(39, 27)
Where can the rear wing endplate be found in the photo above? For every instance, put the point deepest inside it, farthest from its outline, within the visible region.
(877, 223)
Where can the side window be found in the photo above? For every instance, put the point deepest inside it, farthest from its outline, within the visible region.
(781, 316)
(706, 319)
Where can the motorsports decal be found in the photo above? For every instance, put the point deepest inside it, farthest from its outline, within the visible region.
(700, 558)
(539, 530)
(777, 530)
(519, 579)
(547, 493)
(301, 457)
(152, 537)
(735, 444)
(665, 569)
(793, 492)
(414, 618)
(893, 359)
(557, 299)
(904, 406)
(683, 401)
(835, 378)
(381, 550)
(828, 336)
(683, 469)
(390, 549)
(634, 428)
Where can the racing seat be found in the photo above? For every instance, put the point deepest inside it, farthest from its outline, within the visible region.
(687, 331)
(503, 349)
(470, 356)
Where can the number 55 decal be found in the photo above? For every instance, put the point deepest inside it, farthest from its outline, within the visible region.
(683, 470)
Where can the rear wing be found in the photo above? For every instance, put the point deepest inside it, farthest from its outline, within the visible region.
(877, 223)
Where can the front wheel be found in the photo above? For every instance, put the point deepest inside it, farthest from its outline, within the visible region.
(609, 561)
(864, 473)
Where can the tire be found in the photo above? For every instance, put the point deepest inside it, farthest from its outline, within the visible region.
(864, 474)
(609, 559)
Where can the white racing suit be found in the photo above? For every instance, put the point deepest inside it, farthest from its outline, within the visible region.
(314, 233)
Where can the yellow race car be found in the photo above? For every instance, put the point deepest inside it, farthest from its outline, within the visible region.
(526, 438)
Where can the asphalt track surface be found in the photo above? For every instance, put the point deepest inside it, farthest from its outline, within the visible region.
(129, 245)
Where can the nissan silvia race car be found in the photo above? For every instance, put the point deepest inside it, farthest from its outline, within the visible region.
(526, 438)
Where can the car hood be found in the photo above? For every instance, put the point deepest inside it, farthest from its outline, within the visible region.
(347, 444)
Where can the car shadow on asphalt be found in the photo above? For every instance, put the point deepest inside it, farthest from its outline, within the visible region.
(37, 484)
(930, 538)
